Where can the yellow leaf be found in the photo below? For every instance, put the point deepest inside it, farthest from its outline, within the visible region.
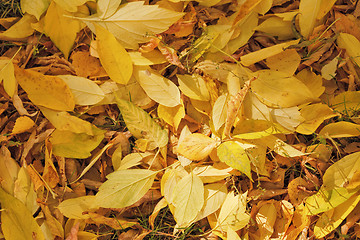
(340, 129)
(312, 81)
(131, 92)
(309, 10)
(194, 87)
(264, 53)
(124, 187)
(210, 174)
(277, 27)
(347, 102)
(133, 22)
(245, 8)
(188, 199)
(277, 89)
(71, 5)
(287, 61)
(219, 112)
(85, 91)
(106, 8)
(131, 160)
(64, 141)
(64, 34)
(113, 56)
(172, 115)
(352, 46)
(157, 87)
(214, 195)
(235, 156)
(24, 190)
(141, 125)
(231, 234)
(22, 124)
(265, 219)
(47, 91)
(74, 208)
(17, 221)
(328, 71)
(330, 220)
(63, 121)
(7, 76)
(8, 170)
(253, 129)
(148, 58)
(196, 146)
(288, 118)
(34, 7)
(314, 115)
(21, 29)
(325, 7)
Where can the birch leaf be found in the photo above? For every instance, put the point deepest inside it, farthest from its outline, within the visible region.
(219, 112)
(17, 221)
(157, 87)
(48, 91)
(113, 56)
(141, 125)
(133, 21)
(194, 87)
(188, 199)
(309, 10)
(235, 156)
(172, 115)
(124, 187)
(74, 208)
(85, 91)
(196, 146)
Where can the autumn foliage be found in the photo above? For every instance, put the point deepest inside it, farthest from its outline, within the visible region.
(219, 119)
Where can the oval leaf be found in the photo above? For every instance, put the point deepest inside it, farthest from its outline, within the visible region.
(340, 129)
(196, 146)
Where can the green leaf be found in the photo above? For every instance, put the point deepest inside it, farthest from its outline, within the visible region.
(235, 156)
(124, 187)
(17, 221)
(141, 125)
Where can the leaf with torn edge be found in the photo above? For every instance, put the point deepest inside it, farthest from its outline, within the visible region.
(124, 187)
(17, 221)
(134, 21)
(141, 125)
(113, 56)
(188, 199)
(196, 146)
(157, 87)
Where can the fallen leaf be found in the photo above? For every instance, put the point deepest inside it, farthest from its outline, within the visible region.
(196, 146)
(22, 124)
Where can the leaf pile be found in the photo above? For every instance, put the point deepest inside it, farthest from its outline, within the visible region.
(237, 118)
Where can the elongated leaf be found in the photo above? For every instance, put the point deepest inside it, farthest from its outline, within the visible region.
(48, 91)
(141, 125)
(17, 221)
(219, 112)
(132, 22)
(194, 87)
(7, 76)
(340, 129)
(73, 208)
(85, 91)
(347, 102)
(124, 187)
(196, 146)
(235, 156)
(157, 87)
(188, 199)
(113, 56)
(309, 10)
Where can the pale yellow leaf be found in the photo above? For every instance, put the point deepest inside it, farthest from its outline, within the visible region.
(147, 58)
(9, 169)
(85, 91)
(24, 190)
(235, 156)
(214, 196)
(131, 92)
(157, 87)
(264, 53)
(64, 141)
(352, 46)
(134, 21)
(277, 27)
(17, 221)
(287, 61)
(74, 208)
(196, 146)
(124, 187)
(7, 76)
(188, 199)
(170, 180)
(171, 115)
(64, 34)
(288, 118)
(22, 124)
(314, 115)
(184, 132)
(21, 29)
(141, 125)
(113, 56)
(231, 234)
(106, 8)
(48, 91)
(131, 160)
(194, 87)
(308, 12)
(34, 7)
(219, 112)
(331, 219)
(210, 174)
(277, 89)
(340, 129)
(328, 71)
